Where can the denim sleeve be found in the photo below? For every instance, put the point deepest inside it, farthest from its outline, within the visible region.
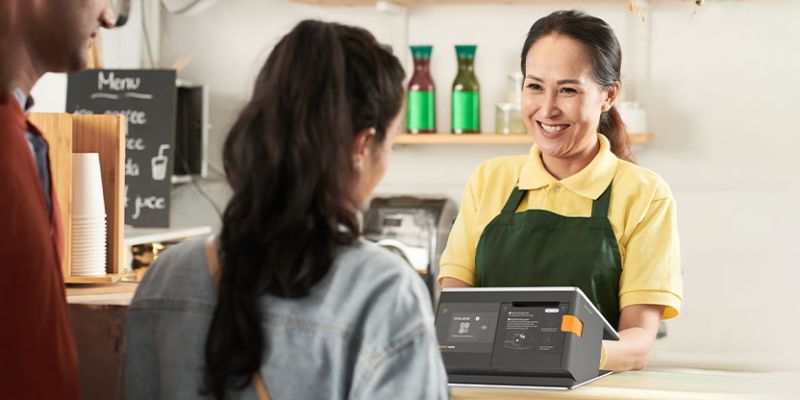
(411, 369)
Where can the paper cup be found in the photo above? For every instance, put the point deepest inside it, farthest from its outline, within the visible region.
(87, 186)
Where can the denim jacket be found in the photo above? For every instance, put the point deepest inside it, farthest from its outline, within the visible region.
(365, 332)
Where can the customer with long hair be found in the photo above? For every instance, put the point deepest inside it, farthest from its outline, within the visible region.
(301, 307)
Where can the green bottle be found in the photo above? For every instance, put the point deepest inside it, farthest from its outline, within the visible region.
(421, 102)
(466, 104)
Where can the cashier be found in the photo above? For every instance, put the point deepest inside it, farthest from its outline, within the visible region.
(576, 211)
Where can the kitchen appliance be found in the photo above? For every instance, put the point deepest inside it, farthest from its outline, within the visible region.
(521, 337)
(415, 228)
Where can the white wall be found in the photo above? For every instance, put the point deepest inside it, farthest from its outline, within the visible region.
(720, 95)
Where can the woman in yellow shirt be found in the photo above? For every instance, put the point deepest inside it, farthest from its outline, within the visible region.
(576, 211)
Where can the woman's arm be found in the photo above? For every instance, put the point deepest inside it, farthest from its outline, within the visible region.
(638, 325)
(453, 282)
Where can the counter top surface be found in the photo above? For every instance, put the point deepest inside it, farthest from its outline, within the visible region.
(667, 384)
(115, 294)
(134, 236)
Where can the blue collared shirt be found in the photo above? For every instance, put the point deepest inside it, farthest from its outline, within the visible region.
(38, 147)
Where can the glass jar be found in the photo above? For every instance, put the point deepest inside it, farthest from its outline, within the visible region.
(508, 115)
(421, 98)
(508, 119)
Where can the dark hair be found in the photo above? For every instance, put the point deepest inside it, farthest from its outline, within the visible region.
(289, 160)
(603, 49)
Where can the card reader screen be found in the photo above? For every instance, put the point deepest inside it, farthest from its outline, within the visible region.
(472, 327)
(467, 327)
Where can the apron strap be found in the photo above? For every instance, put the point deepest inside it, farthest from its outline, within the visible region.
(510, 208)
(213, 268)
(600, 206)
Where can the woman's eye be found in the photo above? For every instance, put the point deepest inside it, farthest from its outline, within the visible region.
(534, 86)
(568, 91)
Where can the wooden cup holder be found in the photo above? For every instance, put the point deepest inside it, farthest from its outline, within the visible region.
(103, 134)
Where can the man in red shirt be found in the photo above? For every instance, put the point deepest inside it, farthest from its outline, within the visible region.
(38, 359)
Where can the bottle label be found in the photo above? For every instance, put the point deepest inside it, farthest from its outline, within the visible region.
(466, 112)
(421, 107)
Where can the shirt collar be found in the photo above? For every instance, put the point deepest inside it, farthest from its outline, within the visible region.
(25, 102)
(589, 182)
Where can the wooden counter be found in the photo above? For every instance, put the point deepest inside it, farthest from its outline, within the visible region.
(666, 384)
(98, 314)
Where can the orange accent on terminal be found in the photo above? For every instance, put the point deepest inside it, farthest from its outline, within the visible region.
(571, 323)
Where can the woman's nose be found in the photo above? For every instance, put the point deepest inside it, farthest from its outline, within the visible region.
(549, 106)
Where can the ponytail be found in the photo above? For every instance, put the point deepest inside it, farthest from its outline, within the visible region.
(612, 127)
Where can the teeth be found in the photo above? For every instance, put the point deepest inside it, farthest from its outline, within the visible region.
(553, 128)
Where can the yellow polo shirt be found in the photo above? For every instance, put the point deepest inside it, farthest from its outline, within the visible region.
(641, 211)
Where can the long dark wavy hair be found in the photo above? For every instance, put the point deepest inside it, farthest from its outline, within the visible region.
(289, 160)
(597, 37)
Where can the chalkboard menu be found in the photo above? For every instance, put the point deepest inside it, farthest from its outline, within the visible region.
(147, 100)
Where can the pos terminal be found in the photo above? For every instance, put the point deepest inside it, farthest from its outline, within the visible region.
(535, 337)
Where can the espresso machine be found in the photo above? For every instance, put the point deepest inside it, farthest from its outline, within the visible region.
(415, 228)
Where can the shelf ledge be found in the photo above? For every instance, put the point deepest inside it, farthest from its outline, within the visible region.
(491, 138)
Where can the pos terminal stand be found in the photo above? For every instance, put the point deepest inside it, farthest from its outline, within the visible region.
(521, 337)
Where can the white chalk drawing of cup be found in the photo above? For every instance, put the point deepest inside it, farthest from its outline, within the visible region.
(160, 164)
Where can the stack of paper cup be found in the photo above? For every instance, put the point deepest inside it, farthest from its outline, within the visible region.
(88, 251)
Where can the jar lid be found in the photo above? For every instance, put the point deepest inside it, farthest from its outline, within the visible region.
(421, 51)
(465, 50)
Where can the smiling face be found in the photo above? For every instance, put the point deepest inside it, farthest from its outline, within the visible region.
(561, 102)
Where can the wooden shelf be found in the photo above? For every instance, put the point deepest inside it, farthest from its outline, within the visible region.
(490, 138)
(412, 3)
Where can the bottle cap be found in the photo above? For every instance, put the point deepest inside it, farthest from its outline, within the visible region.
(422, 51)
(465, 50)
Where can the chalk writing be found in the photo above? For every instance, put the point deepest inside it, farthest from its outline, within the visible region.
(109, 81)
(146, 98)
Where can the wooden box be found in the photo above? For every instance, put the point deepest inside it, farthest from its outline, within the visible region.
(103, 134)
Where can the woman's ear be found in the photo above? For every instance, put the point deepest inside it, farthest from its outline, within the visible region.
(362, 146)
(611, 96)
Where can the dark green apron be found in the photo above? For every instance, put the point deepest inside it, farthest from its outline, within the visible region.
(541, 248)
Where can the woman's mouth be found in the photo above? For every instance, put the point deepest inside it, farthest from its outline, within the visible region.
(551, 131)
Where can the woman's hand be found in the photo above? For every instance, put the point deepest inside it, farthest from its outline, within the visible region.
(638, 326)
